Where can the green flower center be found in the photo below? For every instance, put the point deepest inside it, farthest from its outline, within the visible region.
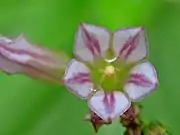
(110, 75)
(109, 70)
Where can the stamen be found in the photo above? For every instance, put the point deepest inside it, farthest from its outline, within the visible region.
(109, 70)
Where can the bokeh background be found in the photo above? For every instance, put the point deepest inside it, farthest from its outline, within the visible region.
(31, 107)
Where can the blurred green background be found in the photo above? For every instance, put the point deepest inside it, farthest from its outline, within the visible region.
(31, 107)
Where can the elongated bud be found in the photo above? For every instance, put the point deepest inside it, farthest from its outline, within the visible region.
(21, 57)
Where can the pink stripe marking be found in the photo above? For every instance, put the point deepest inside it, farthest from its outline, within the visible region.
(26, 66)
(112, 100)
(22, 52)
(130, 45)
(79, 78)
(91, 42)
(109, 101)
(140, 80)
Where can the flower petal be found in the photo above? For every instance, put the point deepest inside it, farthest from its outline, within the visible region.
(130, 44)
(90, 41)
(19, 56)
(109, 106)
(77, 79)
(4, 39)
(143, 81)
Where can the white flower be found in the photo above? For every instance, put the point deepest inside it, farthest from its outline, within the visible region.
(110, 69)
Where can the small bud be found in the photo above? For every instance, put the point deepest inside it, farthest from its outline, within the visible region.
(156, 129)
(96, 121)
(130, 116)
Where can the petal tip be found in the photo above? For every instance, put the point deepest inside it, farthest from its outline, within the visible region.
(83, 25)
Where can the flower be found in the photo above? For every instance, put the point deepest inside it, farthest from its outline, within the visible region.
(18, 56)
(110, 69)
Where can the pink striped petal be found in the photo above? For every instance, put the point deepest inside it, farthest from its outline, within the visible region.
(109, 106)
(77, 79)
(130, 44)
(91, 41)
(19, 56)
(143, 80)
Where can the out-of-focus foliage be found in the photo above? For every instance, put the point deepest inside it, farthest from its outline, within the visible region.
(31, 107)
